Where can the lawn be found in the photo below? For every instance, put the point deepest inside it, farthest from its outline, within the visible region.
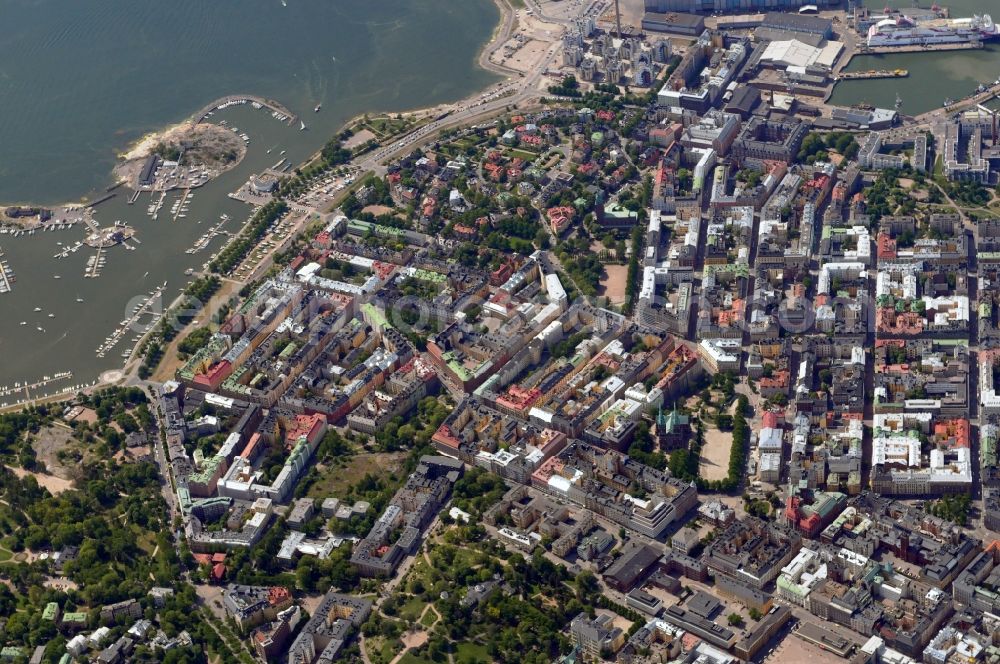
(523, 154)
(471, 652)
(335, 479)
(430, 617)
(410, 658)
(411, 609)
(382, 650)
(5, 555)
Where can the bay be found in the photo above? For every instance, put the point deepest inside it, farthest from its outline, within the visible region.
(82, 80)
(934, 75)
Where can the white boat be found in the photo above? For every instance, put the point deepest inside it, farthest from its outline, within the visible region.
(56, 276)
(52, 315)
(24, 322)
(38, 308)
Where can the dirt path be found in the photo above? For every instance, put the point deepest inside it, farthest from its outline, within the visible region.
(54, 484)
(364, 649)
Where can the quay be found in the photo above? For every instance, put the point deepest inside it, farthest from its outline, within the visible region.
(919, 48)
(873, 74)
(959, 104)
(233, 100)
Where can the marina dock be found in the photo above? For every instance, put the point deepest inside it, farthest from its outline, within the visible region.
(180, 207)
(67, 250)
(7, 277)
(94, 265)
(203, 242)
(25, 388)
(278, 110)
(131, 324)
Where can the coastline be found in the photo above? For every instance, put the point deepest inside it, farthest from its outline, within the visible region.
(500, 33)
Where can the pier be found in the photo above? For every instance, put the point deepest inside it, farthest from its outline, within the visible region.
(103, 199)
(203, 242)
(67, 250)
(94, 265)
(179, 208)
(873, 74)
(234, 100)
(24, 388)
(128, 325)
(7, 277)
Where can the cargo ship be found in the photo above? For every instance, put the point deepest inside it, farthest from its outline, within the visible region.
(904, 31)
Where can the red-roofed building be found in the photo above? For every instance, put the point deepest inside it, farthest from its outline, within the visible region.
(886, 247)
(428, 206)
(212, 379)
(383, 270)
(500, 275)
(445, 441)
(605, 115)
(732, 316)
(679, 370)
(952, 433)
(463, 231)
(776, 383)
(516, 399)
(560, 217)
(550, 467)
(310, 427)
(218, 572)
(908, 323)
(494, 171)
(323, 240)
(252, 448)
(278, 596)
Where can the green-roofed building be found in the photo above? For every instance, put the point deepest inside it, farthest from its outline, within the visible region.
(12, 653)
(50, 612)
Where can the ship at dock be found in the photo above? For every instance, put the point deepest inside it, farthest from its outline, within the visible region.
(905, 31)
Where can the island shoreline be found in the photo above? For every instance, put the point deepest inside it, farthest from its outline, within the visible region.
(499, 34)
(507, 14)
